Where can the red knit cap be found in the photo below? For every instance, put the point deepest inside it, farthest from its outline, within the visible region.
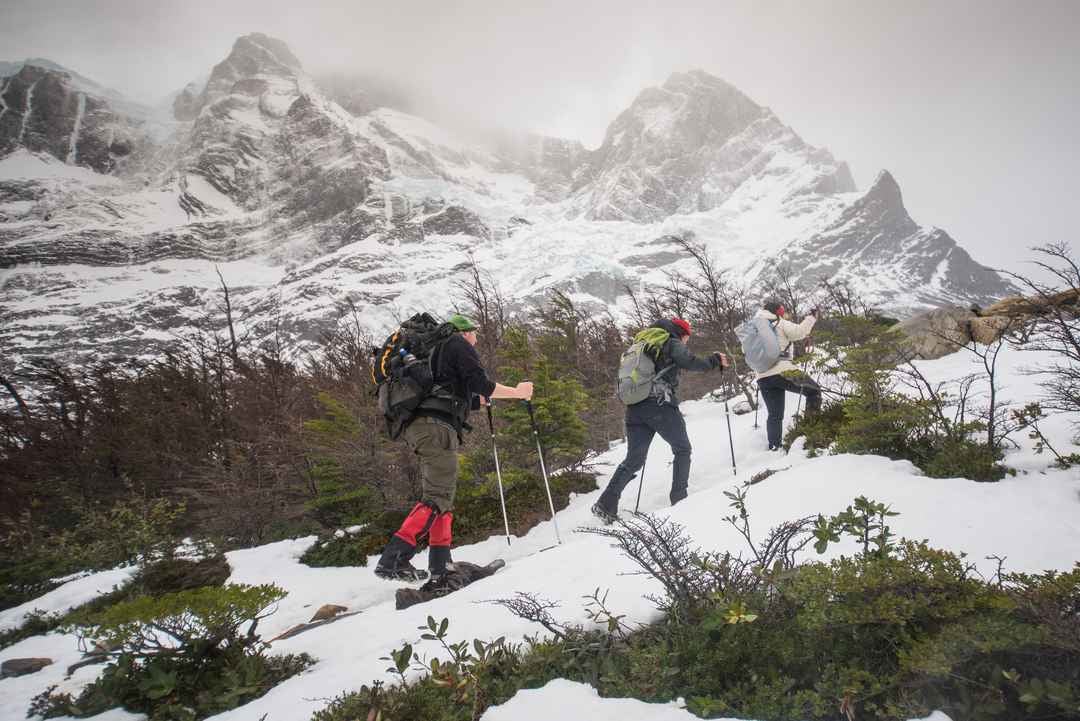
(682, 324)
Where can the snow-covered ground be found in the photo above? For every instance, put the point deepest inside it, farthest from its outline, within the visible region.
(1031, 519)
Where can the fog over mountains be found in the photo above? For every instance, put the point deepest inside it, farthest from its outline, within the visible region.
(311, 197)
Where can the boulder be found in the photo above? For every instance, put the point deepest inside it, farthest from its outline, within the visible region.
(938, 332)
(327, 612)
(23, 666)
(988, 329)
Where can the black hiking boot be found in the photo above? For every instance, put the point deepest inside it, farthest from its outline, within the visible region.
(394, 564)
(608, 517)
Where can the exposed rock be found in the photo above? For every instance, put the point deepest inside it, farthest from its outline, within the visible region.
(328, 611)
(938, 332)
(23, 666)
(44, 112)
(988, 329)
(555, 165)
(455, 220)
(187, 102)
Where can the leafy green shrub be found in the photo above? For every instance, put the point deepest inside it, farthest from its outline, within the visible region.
(894, 413)
(820, 429)
(184, 655)
(347, 550)
(156, 579)
(964, 458)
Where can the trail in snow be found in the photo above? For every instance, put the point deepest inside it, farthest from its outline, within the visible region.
(73, 145)
(26, 114)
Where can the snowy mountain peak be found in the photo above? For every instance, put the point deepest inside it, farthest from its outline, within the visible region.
(255, 63)
(255, 52)
(690, 110)
(308, 206)
(689, 146)
(884, 204)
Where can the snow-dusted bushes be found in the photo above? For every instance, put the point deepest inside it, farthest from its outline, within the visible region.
(880, 403)
(892, 632)
(183, 655)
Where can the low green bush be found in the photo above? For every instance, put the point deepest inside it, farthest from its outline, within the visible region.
(156, 579)
(819, 429)
(347, 550)
(171, 575)
(183, 655)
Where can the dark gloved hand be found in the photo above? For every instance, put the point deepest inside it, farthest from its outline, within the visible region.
(719, 360)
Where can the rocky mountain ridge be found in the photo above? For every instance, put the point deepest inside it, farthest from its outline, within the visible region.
(109, 233)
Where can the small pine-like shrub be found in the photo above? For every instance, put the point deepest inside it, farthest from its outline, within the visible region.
(184, 655)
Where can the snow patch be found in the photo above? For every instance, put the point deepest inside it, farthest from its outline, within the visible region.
(25, 165)
(68, 596)
(74, 143)
(27, 112)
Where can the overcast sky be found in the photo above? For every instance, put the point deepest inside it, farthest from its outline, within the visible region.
(973, 106)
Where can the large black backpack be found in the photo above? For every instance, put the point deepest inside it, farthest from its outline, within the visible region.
(402, 369)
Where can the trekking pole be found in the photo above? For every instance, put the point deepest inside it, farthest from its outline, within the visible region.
(498, 473)
(798, 404)
(731, 442)
(641, 481)
(757, 402)
(543, 469)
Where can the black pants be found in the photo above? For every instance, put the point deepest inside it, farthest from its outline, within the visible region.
(772, 392)
(643, 421)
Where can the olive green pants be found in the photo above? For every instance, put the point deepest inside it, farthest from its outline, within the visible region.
(436, 444)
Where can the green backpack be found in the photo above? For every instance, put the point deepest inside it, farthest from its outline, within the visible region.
(637, 369)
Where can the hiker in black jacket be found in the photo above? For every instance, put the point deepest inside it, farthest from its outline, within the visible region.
(433, 433)
(659, 413)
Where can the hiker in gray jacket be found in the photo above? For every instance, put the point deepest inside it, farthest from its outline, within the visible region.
(659, 413)
(784, 376)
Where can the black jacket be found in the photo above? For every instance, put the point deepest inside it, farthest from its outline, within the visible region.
(675, 353)
(460, 380)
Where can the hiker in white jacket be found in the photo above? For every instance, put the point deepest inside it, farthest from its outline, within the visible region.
(784, 376)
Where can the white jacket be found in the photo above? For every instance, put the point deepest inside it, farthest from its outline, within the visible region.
(788, 333)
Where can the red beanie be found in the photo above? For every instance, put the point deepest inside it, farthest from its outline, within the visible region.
(685, 326)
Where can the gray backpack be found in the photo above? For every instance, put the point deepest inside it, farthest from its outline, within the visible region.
(760, 343)
(637, 371)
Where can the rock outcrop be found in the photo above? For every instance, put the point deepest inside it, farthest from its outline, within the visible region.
(42, 111)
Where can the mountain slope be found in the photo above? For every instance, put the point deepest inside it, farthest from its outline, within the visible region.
(307, 208)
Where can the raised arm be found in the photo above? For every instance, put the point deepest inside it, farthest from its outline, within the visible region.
(684, 359)
(798, 331)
